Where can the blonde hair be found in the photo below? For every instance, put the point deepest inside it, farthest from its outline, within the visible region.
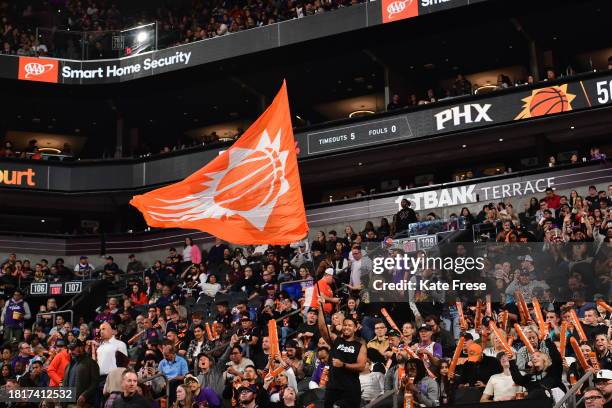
(546, 359)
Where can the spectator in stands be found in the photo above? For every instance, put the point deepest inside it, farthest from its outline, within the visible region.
(111, 269)
(113, 384)
(129, 397)
(478, 368)
(594, 398)
(84, 269)
(404, 217)
(551, 75)
(602, 348)
(14, 315)
(134, 265)
(591, 325)
(395, 103)
(107, 349)
(500, 387)
(380, 342)
(58, 364)
(201, 395)
(552, 200)
(462, 86)
(603, 382)
(545, 372)
(82, 373)
(361, 268)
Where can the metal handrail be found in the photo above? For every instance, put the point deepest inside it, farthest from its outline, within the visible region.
(571, 394)
(58, 312)
(162, 375)
(379, 398)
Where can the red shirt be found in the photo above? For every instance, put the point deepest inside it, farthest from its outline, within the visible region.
(327, 291)
(553, 202)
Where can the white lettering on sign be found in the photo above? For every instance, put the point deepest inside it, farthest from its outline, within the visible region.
(117, 71)
(427, 3)
(517, 189)
(73, 287)
(38, 289)
(441, 198)
(466, 194)
(471, 113)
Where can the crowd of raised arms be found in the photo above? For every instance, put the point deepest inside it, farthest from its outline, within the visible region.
(226, 327)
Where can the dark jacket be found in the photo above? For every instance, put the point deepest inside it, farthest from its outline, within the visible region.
(134, 401)
(470, 372)
(536, 384)
(87, 377)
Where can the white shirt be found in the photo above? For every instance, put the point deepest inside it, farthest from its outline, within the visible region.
(106, 354)
(356, 273)
(187, 254)
(372, 385)
(500, 385)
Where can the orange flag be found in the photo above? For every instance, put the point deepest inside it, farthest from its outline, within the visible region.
(249, 194)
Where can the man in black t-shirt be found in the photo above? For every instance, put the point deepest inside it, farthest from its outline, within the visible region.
(348, 359)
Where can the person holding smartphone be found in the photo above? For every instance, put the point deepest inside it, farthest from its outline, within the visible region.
(148, 370)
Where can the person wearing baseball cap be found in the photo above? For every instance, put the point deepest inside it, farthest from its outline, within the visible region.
(603, 382)
(324, 290)
(246, 396)
(83, 374)
(14, 314)
(478, 368)
(427, 346)
(58, 365)
(202, 395)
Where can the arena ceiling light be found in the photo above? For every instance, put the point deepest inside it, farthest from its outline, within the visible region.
(142, 36)
(358, 113)
(49, 150)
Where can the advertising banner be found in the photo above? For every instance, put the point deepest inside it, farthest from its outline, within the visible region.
(22, 175)
(396, 10)
(494, 189)
(457, 114)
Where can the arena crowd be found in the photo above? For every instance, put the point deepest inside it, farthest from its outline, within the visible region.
(226, 326)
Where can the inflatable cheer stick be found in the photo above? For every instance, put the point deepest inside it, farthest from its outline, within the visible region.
(456, 355)
(523, 338)
(563, 339)
(578, 326)
(499, 336)
(539, 318)
(579, 354)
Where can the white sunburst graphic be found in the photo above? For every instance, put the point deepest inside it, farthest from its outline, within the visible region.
(253, 195)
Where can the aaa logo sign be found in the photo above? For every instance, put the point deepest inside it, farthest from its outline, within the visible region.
(38, 69)
(395, 10)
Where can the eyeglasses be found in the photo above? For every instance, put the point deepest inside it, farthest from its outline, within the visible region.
(593, 398)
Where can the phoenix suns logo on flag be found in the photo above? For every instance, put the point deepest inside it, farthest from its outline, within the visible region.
(250, 194)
